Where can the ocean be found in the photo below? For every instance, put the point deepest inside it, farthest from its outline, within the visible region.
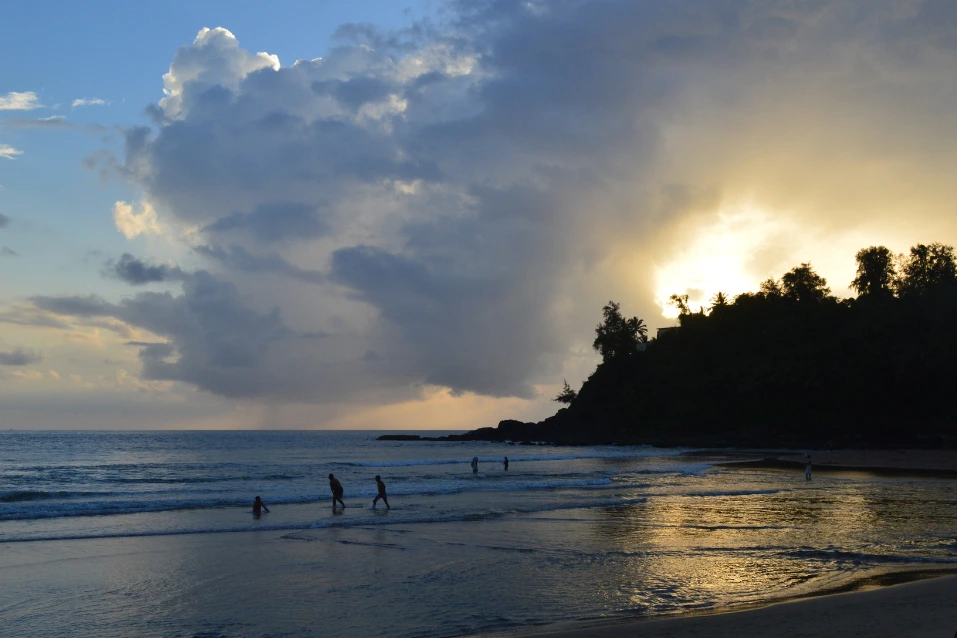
(152, 534)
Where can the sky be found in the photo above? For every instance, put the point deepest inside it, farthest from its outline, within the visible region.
(391, 214)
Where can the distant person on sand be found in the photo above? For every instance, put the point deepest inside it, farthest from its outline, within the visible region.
(336, 488)
(379, 484)
(259, 507)
(506, 464)
(807, 469)
(474, 465)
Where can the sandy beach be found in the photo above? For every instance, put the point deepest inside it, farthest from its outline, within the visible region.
(926, 608)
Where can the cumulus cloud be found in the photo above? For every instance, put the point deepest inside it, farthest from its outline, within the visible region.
(460, 201)
(214, 60)
(89, 101)
(19, 357)
(8, 152)
(15, 101)
(133, 224)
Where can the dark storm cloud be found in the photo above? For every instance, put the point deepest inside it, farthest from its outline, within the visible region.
(76, 306)
(4, 221)
(19, 357)
(6, 251)
(137, 272)
(273, 222)
(462, 195)
(238, 258)
(216, 342)
(355, 92)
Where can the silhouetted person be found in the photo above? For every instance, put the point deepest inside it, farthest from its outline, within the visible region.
(474, 465)
(379, 484)
(336, 488)
(807, 469)
(259, 507)
(506, 464)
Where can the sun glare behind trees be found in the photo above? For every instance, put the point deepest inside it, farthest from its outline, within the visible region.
(787, 364)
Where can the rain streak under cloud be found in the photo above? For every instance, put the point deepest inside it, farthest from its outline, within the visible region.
(446, 208)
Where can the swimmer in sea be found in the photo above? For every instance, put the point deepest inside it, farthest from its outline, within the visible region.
(259, 507)
(379, 484)
(336, 488)
(506, 464)
(474, 465)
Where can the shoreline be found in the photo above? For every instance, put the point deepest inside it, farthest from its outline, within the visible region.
(899, 603)
(930, 463)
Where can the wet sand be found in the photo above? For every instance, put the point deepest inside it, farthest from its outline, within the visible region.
(925, 608)
(934, 462)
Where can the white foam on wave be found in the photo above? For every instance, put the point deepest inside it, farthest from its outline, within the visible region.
(364, 519)
(589, 453)
(28, 510)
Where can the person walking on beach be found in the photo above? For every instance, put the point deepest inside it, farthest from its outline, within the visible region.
(381, 486)
(259, 507)
(506, 464)
(807, 469)
(336, 488)
(474, 465)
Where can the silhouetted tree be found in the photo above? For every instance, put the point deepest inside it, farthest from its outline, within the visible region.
(784, 366)
(681, 303)
(567, 395)
(769, 288)
(802, 284)
(928, 267)
(875, 271)
(617, 336)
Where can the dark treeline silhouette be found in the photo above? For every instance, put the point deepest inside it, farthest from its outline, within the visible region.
(788, 365)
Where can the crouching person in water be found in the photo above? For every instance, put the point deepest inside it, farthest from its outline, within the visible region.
(259, 507)
(336, 488)
(379, 484)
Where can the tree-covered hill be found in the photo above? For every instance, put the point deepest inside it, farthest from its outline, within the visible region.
(788, 365)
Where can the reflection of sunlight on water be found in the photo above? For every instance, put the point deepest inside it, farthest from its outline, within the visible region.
(653, 540)
(680, 550)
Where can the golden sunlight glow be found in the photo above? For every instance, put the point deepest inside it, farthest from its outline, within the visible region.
(733, 254)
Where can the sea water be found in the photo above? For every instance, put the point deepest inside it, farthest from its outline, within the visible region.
(138, 533)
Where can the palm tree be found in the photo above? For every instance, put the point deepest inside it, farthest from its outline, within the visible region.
(617, 336)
